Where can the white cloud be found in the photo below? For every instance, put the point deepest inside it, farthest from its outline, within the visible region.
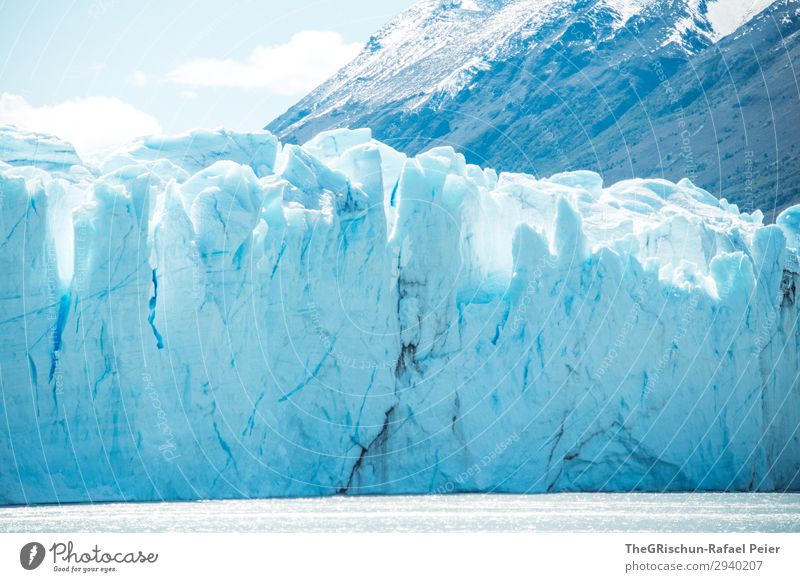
(138, 78)
(90, 123)
(293, 68)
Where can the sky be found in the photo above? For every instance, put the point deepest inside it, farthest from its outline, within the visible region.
(99, 73)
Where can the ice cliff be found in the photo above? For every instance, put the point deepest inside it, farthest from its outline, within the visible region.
(216, 315)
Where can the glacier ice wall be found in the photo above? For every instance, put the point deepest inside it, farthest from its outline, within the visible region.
(217, 315)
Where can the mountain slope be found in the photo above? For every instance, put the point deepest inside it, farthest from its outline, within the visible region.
(212, 315)
(543, 87)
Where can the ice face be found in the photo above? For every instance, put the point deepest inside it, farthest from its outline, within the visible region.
(215, 315)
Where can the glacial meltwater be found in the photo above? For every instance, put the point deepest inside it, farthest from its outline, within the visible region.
(565, 512)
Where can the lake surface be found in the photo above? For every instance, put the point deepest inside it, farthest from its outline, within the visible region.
(571, 512)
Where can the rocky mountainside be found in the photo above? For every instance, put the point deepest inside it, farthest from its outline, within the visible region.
(628, 88)
(217, 315)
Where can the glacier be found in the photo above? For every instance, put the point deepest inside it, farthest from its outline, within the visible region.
(219, 315)
(702, 89)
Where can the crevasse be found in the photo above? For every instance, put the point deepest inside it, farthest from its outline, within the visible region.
(216, 315)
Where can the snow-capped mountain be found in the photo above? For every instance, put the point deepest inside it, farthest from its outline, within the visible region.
(214, 315)
(543, 86)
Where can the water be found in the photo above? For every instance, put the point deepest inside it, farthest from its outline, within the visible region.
(572, 512)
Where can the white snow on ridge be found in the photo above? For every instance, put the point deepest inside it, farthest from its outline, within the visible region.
(428, 49)
(216, 315)
(434, 37)
(469, 5)
(627, 9)
(725, 16)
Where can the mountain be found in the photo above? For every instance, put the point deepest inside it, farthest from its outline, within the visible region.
(627, 88)
(213, 315)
